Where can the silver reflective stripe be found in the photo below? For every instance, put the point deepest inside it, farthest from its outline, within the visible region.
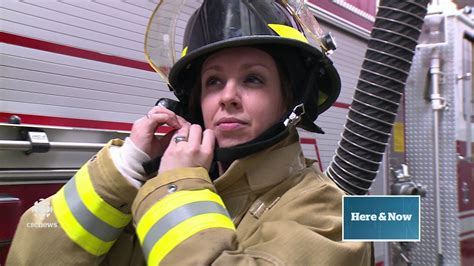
(87, 219)
(170, 220)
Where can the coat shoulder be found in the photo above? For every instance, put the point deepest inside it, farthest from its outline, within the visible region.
(316, 186)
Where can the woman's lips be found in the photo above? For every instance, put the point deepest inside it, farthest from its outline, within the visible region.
(230, 124)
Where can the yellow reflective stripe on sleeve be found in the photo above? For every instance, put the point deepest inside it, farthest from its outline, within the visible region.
(170, 203)
(74, 230)
(185, 230)
(288, 32)
(185, 50)
(100, 208)
(177, 217)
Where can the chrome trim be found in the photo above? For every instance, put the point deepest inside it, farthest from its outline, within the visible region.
(23, 145)
(35, 176)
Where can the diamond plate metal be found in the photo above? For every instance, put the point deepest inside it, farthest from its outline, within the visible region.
(420, 154)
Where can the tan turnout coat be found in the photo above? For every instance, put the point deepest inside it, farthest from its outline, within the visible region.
(286, 212)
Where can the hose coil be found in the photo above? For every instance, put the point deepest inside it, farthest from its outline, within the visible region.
(379, 90)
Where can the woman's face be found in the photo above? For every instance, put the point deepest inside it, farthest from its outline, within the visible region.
(241, 95)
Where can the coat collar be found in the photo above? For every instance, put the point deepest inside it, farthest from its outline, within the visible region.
(249, 177)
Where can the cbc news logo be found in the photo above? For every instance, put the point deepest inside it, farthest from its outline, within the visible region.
(41, 210)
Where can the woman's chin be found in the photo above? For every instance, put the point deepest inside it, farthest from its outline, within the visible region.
(227, 142)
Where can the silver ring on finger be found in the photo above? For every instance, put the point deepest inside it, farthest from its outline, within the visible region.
(180, 138)
(148, 116)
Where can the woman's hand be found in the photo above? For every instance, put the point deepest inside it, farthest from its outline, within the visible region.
(189, 147)
(143, 130)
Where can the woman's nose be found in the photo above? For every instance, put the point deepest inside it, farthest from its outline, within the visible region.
(230, 94)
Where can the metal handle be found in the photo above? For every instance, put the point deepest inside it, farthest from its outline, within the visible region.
(5, 243)
(41, 175)
(8, 198)
(465, 192)
(467, 93)
(20, 145)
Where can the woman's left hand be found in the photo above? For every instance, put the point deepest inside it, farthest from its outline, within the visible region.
(143, 130)
(189, 147)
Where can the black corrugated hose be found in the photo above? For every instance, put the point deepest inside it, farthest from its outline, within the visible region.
(381, 84)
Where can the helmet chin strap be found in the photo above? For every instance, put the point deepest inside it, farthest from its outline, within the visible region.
(269, 137)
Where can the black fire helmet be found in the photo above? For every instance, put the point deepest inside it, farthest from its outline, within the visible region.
(287, 31)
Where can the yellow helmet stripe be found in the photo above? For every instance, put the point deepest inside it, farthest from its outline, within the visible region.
(288, 32)
(323, 97)
(185, 50)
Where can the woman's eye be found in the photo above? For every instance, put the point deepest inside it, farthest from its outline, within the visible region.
(253, 79)
(212, 81)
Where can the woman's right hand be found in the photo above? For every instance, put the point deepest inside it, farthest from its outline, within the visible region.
(191, 147)
(143, 130)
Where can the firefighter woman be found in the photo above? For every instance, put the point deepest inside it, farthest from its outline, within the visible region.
(232, 187)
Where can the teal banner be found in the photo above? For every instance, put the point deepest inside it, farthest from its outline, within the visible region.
(381, 218)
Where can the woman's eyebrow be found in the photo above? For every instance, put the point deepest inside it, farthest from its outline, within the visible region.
(218, 67)
(211, 67)
(250, 65)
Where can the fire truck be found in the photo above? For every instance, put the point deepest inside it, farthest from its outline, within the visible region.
(430, 152)
(74, 76)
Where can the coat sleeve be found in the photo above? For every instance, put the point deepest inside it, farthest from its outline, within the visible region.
(181, 220)
(81, 222)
